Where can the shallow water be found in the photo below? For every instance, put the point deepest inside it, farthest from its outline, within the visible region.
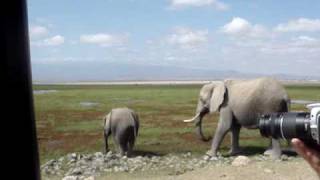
(89, 104)
(44, 91)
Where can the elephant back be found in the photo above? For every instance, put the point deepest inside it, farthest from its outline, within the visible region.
(124, 118)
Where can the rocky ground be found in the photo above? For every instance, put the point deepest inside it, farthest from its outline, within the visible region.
(77, 166)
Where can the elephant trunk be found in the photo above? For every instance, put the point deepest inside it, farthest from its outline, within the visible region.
(201, 111)
(198, 123)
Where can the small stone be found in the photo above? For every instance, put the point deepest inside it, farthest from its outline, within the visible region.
(98, 154)
(109, 154)
(214, 158)
(267, 170)
(241, 161)
(52, 162)
(206, 157)
(70, 178)
(124, 157)
(71, 157)
(76, 171)
(284, 157)
(89, 178)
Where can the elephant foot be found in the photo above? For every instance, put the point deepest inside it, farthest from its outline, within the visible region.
(122, 153)
(105, 151)
(130, 153)
(234, 152)
(273, 153)
(210, 156)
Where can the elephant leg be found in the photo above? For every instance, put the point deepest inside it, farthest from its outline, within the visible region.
(123, 148)
(130, 145)
(106, 134)
(117, 140)
(235, 148)
(224, 125)
(275, 150)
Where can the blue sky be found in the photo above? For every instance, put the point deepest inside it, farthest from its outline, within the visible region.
(267, 37)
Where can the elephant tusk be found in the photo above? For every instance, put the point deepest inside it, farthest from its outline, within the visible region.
(192, 119)
(188, 120)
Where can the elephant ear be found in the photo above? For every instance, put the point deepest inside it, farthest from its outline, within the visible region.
(217, 97)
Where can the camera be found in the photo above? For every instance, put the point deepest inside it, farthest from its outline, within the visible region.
(302, 125)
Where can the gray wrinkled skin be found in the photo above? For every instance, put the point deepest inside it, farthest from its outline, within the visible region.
(123, 125)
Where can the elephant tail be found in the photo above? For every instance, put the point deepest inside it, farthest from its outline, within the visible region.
(104, 121)
(135, 124)
(106, 118)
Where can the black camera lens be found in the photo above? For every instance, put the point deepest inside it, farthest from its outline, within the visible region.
(286, 125)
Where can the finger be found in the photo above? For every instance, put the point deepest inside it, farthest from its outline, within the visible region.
(315, 159)
(299, 147)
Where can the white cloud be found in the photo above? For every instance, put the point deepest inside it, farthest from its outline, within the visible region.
(300, 25)
(305, 44)
(55, 59)
(52, 41)
(104, 39)
(38, 31)
(301, 46)
(241, 28)
(187, 38)
(305, 40)
(175, 4)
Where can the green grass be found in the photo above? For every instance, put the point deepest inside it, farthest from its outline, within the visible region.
(82, 126)
(64, 126)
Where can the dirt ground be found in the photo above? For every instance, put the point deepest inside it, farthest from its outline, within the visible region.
(296, 169)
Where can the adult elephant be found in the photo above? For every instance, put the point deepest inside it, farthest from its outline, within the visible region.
(240, 103)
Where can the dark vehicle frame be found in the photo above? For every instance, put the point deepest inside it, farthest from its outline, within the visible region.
(19, 140)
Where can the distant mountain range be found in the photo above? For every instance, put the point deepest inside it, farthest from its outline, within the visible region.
(69, 72)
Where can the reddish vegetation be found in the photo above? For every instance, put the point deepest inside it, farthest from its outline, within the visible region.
(51, 141)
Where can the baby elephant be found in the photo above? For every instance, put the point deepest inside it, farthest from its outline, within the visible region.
(123, 124)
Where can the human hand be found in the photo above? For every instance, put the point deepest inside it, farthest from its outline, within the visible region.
(312, 156)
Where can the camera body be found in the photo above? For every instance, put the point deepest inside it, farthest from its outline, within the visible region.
(315, 121)
(302, 125)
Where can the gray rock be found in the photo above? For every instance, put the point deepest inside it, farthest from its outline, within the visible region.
(241, 161)
(90, 165)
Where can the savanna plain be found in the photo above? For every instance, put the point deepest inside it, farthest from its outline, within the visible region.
(69, 119)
